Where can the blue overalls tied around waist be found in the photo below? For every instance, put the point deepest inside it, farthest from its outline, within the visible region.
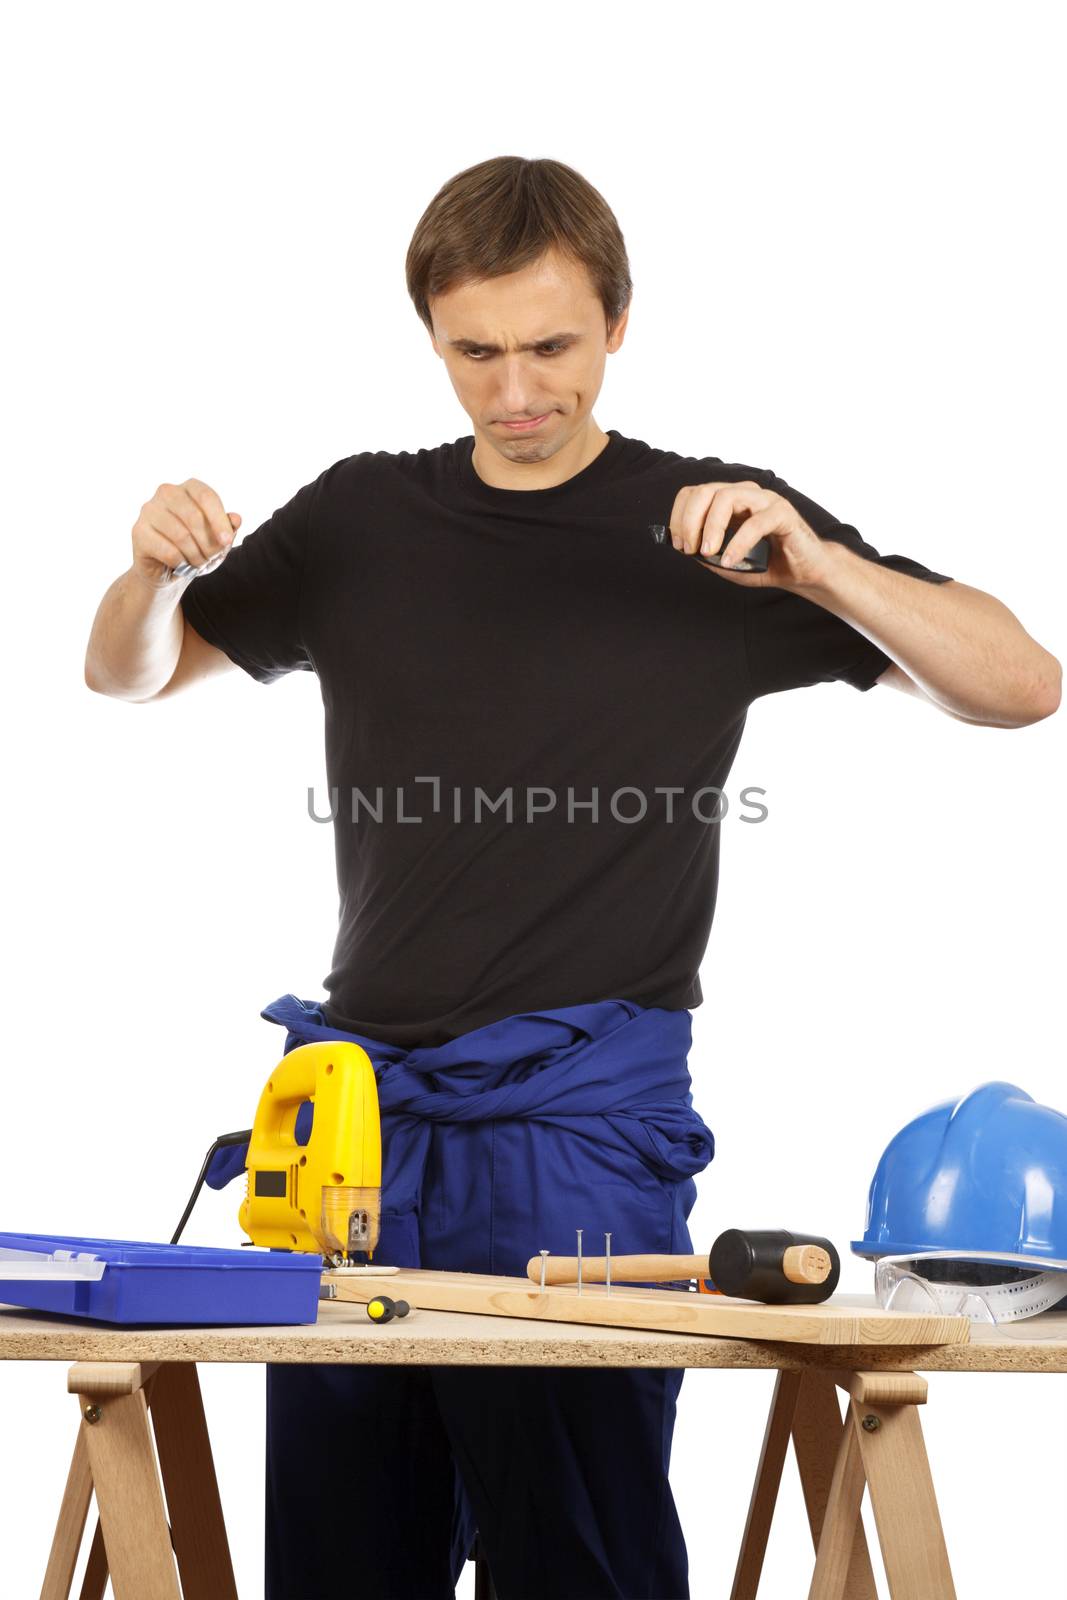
(495, 1145)
(504, 1140)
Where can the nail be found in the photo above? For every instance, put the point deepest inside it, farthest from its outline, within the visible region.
(579, 1232)
(607, 1263)
(544, 1268)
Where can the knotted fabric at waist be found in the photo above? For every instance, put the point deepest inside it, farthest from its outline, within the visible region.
(612, 1070)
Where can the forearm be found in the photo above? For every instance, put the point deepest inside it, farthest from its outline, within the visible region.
(136, 638)
(962, 646)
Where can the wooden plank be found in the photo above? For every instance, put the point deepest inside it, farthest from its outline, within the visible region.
(96, 1574)
(888, 1388)
(184, 1446)
(104, 1378)
(822, 1450)
(129, 1494)
(73, 1510)
(903, 1501)
(833, 1561)
(344, 1334)
(765, 1488)
(662, 1310)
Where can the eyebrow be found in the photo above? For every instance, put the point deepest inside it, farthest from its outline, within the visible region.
(534, 344)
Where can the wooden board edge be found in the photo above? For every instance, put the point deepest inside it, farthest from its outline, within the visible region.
(654, 1311)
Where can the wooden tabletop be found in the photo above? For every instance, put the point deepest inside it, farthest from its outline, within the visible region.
(344, 1333)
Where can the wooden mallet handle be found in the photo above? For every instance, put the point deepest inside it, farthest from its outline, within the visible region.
(801, 1263)
(628, 1269)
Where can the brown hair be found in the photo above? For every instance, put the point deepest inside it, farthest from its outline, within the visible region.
(502, 215)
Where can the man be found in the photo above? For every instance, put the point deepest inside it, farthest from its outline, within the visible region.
(528, 700)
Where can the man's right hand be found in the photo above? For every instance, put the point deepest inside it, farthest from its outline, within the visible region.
(181, 522)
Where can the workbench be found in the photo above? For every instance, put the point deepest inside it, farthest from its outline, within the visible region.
(142, 1442)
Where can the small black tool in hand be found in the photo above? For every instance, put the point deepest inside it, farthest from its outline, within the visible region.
(755, 561)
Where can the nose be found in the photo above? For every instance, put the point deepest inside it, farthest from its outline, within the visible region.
(519, 395)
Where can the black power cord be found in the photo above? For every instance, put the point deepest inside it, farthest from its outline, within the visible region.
(221, 1143)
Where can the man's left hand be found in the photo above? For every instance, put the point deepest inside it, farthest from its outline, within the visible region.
(702, 513)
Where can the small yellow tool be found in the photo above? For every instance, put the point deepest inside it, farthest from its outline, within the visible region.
(383, 1309)
(325, 1195)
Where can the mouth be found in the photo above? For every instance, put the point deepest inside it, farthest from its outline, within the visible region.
(526, 424)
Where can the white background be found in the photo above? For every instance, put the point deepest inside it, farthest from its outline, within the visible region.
(843, 231)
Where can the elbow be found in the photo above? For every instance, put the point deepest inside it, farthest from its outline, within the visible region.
(111, 690)
(1047, 709)
(1032, 702)
(1048, 699)
(96, 683)
(1043, 696)
(96, 679)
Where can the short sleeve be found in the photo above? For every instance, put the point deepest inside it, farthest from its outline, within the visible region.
(249, 607)
(791, 642)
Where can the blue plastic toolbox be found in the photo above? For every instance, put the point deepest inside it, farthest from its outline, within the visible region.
(133, 1281)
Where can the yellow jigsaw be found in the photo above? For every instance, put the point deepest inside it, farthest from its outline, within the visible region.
(324, 1195)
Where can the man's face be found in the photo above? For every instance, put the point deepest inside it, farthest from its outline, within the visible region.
(528, 344)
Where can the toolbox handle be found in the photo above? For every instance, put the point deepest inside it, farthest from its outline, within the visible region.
(61, 1266)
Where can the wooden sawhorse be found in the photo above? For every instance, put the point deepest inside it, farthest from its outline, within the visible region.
(880, 1446)
(161, 1526)
(115, 1457)
(155, 1517)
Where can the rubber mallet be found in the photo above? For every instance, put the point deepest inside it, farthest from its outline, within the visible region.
(770, 1264)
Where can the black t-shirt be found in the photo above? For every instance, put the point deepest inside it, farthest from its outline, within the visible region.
(474, 643)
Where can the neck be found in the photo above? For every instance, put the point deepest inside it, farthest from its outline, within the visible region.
(528, 463)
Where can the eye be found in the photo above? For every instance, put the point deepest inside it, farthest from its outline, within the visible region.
(543, 350)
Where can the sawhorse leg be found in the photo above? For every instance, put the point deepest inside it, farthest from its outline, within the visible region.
(878, 1445)
(136, 1479)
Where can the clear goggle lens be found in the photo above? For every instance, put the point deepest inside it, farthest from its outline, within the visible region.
(905, 1283)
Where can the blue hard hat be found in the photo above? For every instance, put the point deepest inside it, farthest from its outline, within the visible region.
(985, 1174)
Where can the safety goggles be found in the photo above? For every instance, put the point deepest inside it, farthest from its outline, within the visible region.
(955, 1285)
